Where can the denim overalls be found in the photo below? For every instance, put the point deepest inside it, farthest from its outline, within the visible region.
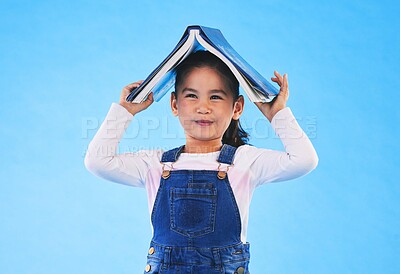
(196, 221)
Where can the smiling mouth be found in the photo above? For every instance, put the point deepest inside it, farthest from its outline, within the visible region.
(203, 122)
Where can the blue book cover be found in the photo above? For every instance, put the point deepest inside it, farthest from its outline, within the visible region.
(215, 39)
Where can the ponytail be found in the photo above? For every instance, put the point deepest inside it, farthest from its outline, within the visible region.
(235, 135)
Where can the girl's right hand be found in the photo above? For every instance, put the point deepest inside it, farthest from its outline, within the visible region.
(134, 108)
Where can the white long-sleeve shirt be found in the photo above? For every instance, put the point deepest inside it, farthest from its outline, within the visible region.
(251, 167)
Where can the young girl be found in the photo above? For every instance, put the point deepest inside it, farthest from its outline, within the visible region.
(199, 193)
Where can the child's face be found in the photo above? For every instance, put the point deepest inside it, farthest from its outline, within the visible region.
(205, 106)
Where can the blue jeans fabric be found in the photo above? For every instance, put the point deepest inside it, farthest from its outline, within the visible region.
(199, 260)
(196, 222)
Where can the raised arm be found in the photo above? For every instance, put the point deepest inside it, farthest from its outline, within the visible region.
(102, 159)
(299, 157)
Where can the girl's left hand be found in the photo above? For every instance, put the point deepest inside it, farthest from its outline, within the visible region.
(279, 102)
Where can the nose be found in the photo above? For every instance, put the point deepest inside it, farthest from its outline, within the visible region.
(203, 107)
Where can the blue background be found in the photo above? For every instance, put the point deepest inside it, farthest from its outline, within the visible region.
(64, 62)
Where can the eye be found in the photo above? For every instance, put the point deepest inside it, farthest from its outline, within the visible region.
(190, 95)
(216, 97)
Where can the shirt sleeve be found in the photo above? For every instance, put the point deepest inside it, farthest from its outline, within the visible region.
(298, 159)
(101, 158)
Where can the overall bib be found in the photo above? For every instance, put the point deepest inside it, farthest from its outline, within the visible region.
(196, 222)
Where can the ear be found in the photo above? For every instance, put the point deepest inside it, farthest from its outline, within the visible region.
(238, 108)
(174, 106)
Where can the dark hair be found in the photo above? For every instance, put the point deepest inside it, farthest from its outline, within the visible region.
(235, 135)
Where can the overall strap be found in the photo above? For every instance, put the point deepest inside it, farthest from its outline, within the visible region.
(172, 155)
(227, 153)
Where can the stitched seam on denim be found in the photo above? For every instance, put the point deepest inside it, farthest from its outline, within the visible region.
(171, 155)
(217, 259)
(235, 205)
(178, 152)
(222, 153)
(226, 155)
(166, 258)
(156, 200)
(210, 226)
(221, 248)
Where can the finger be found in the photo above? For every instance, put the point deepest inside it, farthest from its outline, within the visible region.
(284, 82)
(285, 86)
(286, 76)
(138, 82)
(275, 80)
(258, 104)
(149, 100)
(279, 77)
(132, 86)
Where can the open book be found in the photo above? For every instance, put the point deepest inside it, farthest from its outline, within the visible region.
(195, 38)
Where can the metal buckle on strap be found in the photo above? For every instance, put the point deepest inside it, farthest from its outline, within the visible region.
(166, 172)
(222, 173)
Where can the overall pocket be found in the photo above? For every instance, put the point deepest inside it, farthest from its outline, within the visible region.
(193, 210)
